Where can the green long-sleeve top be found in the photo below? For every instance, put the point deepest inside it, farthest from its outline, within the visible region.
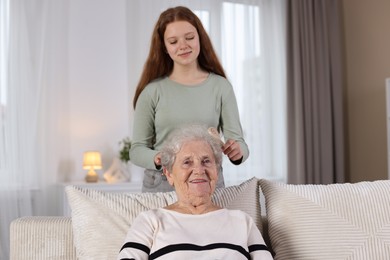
(164, 104)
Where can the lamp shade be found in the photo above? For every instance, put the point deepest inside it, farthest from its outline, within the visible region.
(92, 160)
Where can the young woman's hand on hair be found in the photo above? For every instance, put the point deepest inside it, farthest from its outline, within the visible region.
(233, 150)
(157, 161)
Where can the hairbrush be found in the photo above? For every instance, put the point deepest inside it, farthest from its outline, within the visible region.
(214, 133)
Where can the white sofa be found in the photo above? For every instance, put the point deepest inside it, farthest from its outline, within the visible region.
(337, 221)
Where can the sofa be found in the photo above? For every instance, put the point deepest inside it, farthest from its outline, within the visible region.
(335, 221)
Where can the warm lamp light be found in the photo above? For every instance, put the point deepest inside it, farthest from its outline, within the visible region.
(92, 160)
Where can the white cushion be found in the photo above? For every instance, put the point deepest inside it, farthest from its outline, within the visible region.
(101, 219)
(336, 221)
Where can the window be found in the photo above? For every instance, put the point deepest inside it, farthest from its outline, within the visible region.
(245, 44)
(204, 16)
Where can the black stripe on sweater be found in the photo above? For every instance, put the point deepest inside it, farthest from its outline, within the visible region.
(136, 246)
(192, 247)
(258, 247)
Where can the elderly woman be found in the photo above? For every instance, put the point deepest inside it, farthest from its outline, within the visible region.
(193, 227)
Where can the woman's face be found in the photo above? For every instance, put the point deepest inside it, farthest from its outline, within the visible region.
(181, 40)
(194, 172)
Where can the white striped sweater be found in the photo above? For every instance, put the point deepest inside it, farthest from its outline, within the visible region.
(222, 234)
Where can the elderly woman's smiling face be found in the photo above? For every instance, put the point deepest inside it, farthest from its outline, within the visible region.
(194, 172)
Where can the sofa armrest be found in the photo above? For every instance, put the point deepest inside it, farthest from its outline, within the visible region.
(42, 238)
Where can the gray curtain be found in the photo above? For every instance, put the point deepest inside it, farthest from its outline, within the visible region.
(315, 89)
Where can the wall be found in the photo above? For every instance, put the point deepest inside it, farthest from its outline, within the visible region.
(99, 95)
(367, 49)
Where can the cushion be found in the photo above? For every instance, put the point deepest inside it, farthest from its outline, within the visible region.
(336, 221)
(101, 219)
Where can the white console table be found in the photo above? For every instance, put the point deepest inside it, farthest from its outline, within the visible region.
(130, 187)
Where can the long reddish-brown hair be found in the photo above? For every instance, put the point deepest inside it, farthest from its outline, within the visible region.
(159, 64)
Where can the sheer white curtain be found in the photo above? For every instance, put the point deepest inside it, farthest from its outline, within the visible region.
(253, 54)
(25, 133)
(249, 37)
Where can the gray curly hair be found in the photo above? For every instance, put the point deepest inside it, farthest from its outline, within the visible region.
(185, 134)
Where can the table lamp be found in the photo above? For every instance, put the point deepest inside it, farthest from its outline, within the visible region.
(92, 160)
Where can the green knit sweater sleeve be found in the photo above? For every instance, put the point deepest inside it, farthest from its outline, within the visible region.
(142, 151)
(230, 121)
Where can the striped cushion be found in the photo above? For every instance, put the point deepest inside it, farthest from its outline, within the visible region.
(337, 221)
(101, 219)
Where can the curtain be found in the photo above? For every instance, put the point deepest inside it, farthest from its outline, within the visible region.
(27, 81)
(253, 55)
(315, 82)
(249, 38)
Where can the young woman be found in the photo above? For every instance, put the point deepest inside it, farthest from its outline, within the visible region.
(182, 82)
